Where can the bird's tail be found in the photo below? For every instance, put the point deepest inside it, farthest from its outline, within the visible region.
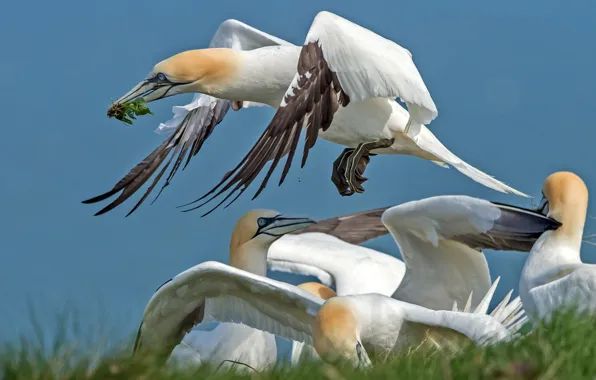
(429, 143)
(509, 314)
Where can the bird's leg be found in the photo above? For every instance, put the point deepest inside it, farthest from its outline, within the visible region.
(338, 175)
(359, 157)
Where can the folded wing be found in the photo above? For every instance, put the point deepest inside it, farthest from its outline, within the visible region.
(349, 268)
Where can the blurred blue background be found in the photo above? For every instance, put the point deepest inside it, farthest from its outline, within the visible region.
(513, 82)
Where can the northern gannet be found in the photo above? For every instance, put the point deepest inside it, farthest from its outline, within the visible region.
(554, 276)
(440, 239)
(341, 85)
(252, 235)
(342, 327)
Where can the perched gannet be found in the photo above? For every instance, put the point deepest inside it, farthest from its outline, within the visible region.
(257, 349)
(343, 326)
(440, 239)
(252, 235)
(341, 85)
(554, 276)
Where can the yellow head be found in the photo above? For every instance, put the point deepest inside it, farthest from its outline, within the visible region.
(336, 334)
(565, 199)
(202, 70)
(255, 231)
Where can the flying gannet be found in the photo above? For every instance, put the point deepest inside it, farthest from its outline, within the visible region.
(341, 85)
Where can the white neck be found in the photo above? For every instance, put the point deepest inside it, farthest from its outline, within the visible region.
(550, 252)
(251, 257)
(264, 75)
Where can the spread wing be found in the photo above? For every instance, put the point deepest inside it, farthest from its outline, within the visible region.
(192, 123)
(441, 240)
(215, 292)
(351, 269)
(355, 228)
(339, 62)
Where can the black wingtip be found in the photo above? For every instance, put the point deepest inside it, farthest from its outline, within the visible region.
(99, 198)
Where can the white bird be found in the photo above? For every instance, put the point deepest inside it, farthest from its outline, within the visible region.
(341, 85)
(254, 348)
(342, 327)
(251, 237)
(554, 276)
(440, 239)
(193, 123)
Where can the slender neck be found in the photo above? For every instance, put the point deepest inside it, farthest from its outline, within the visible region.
(264, 75)
(553, 249)
(251, 257)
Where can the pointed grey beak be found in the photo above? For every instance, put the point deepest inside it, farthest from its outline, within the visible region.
(516, 229)
(149, 90)
(281, 225)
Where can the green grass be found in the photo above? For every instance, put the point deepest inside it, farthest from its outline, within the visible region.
(563, 349)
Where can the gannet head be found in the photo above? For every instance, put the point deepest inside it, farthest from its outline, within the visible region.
(336, 334)
(201, 70)
(254, 233)
(318, 290)
(565, 199)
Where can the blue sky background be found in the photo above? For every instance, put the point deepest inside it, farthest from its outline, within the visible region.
(513, 81)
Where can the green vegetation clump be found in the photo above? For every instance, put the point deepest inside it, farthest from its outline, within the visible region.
(562, 349)
(129, 111)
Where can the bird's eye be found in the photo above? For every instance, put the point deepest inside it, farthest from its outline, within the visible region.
(161, 77)
(261, 222)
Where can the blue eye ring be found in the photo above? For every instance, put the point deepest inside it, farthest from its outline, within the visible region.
(161, 77)
(261, 222)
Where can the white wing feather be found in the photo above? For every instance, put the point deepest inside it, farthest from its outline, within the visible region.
(229, 295)
(370, 66)
(350, 268)
(441, 270)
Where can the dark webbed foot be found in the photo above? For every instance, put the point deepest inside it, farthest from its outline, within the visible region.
(338, 175)
(357, 161)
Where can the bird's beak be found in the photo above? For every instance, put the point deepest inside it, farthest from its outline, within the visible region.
(516, 229)
(281, 225)
(150, 90)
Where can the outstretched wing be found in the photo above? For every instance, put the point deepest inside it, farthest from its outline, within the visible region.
(192, 123)
(215, 292)
(441, 240)
(355, 228)
(339, 62)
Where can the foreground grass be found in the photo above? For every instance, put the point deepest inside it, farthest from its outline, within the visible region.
(562, 349)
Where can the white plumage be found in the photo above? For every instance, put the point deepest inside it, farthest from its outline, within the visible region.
(340, 85)
(233, 295)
